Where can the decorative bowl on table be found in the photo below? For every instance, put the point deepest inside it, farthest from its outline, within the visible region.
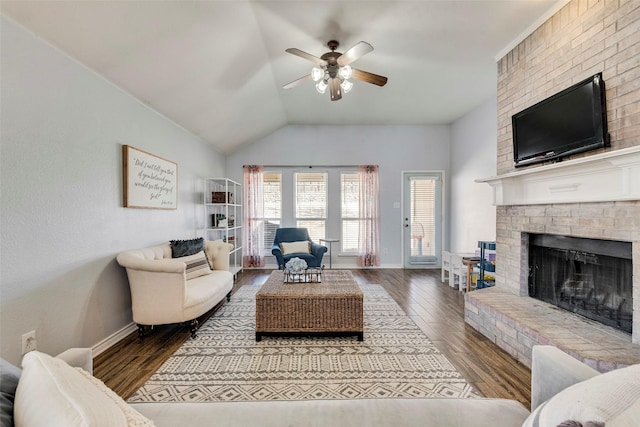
(297, 271)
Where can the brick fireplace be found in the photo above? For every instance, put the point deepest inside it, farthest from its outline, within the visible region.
(592, 195)
(607, 220)
(595, 197)
(590, 277)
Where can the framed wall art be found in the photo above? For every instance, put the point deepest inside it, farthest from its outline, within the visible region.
(149, 181)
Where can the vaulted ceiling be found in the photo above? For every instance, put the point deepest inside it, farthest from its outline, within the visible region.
(217, 67)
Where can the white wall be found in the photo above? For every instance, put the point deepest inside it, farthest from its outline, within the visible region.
(393, 148)
(62, 219)
(473, 156)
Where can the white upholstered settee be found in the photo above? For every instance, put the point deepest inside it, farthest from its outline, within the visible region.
(167, 289)
(50, 392)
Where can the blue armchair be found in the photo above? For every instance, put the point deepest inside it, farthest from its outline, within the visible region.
(313, 259)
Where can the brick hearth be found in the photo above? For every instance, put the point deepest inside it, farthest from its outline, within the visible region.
(518, 323)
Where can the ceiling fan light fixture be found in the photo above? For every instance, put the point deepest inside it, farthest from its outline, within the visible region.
(321, 86)
(346, 86)
(345, 72)
(332, 69)
(317, 74)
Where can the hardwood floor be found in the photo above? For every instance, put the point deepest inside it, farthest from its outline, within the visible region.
(435, 307)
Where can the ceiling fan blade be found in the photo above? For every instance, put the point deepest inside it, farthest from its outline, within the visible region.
(335, 89)
(297, 81)
(305, 55)
(367, 77)
(357, 51)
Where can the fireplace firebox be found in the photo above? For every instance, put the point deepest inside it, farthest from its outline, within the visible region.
(589, 277)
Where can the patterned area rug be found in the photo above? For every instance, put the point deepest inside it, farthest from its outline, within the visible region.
(225, 363)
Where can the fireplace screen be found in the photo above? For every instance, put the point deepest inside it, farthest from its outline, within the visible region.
(590, 277)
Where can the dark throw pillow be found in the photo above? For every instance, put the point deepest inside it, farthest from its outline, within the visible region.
(9, 376)
(571, 423)
(180, 248)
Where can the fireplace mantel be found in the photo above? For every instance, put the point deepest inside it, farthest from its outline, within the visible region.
(605, 177)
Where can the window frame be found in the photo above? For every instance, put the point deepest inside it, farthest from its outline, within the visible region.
(343, 219)
(324, 219)
(265, 219)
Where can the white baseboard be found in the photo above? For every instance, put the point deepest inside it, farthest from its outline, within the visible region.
(388, 266)
(113, 339)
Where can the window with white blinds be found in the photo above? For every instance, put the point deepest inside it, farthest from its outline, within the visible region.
(350, 211)
(272, 193)
(311, 203)
(423, 227)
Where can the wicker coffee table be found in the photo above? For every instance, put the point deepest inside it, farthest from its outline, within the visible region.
(333, 307)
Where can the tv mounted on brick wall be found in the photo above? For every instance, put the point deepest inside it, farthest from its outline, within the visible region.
(569, 122)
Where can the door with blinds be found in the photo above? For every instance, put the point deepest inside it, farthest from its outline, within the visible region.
(422, 219)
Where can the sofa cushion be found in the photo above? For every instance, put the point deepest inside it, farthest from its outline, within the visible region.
(197, 265)
(302, 247)
(52, 393)
(180, 248)
(381, 412)
(9, 376)
(612, 398)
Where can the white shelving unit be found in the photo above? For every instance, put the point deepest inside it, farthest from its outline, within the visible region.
(223, 216)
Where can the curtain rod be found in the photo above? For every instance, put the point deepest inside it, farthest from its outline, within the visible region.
(311, 166)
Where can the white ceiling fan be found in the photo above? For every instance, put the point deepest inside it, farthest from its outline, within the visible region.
(332, 69)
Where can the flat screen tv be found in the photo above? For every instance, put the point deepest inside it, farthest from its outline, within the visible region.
(569, 122)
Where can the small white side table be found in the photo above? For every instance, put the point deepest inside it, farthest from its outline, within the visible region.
(329, 241)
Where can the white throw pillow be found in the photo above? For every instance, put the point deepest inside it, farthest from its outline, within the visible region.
(302, 247)
(197, 265)
(51, 393)
(612, 398)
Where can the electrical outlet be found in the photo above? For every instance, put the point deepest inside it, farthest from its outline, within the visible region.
(29, 342)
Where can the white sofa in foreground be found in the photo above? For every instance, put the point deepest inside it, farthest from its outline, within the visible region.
(168, 289)
(51, 393)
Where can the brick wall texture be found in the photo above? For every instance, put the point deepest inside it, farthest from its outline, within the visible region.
(585, 37)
